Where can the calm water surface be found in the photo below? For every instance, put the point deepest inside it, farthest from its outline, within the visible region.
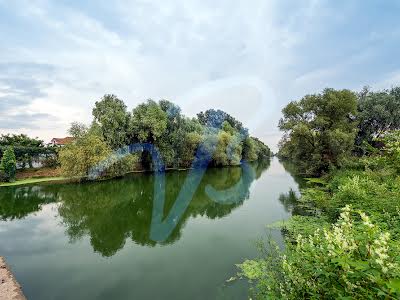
(93, 240)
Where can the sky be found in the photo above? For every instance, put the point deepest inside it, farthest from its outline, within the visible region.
(249, 58)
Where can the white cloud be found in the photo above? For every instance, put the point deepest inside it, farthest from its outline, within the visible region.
(247, 58)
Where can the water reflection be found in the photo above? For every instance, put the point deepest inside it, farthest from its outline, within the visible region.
(18, 202)
(110, 212)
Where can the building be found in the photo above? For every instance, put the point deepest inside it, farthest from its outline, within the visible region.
(61, 141)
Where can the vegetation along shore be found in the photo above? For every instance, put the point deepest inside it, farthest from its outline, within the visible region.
(175, 136)
(343, 239)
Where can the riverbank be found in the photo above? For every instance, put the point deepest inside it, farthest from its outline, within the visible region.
(33, 180)
(35, 175)
(344, 238)
(32, 176)
(9, 287)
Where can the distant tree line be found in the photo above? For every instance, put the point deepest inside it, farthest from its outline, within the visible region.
(162, 124)
(321, 131)
(21, 150)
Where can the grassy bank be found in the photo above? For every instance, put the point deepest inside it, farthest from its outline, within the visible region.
(347, 245)
(32, 180)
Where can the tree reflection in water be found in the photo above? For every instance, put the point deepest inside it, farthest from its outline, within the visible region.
(111, 211)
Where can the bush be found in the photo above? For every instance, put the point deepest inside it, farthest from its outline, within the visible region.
(78, 158)
(8, 165)
(392, 148)
(120, 167)
(50, 161)
(355, 259)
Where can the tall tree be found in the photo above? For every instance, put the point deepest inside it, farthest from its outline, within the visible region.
(87, 150)
(8, 165)
(148, 122)
(26, 149)
(215, 119)
(378, 112)
(319, 130)
(112, 116)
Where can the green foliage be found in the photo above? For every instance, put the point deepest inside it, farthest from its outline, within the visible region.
(378, 112)
(85, 152)
(249, 149)
(21, 140)
(112, 116)
(319, 130)
(176, 137)
(120, 167)
(78, 130)
(148, 122)
(26, 149)
(354, 259)
(298, 224)
(392, 148)
(369, 183)
(181, 137)
(8, 165)
(215, 119)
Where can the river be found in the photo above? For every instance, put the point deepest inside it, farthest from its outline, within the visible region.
(100, 240)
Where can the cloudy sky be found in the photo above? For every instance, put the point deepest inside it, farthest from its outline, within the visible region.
(247, 57)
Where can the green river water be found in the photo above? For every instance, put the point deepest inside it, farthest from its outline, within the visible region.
(96, 241)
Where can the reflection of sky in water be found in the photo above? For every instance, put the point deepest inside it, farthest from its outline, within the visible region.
(40, 231)
(194, 264)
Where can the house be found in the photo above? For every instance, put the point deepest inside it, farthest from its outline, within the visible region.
(61, 141)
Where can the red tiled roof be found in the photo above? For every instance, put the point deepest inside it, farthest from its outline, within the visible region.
(62, 141)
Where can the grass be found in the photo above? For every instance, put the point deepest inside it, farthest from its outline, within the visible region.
(32, 180)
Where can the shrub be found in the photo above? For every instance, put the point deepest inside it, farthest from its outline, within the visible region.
(120, 167)
(78, 158)
(8, 165)
(355, 259)
(50, 161)
(392, 148)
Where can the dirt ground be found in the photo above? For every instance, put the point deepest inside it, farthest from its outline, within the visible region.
(41, 172)
(9, 287)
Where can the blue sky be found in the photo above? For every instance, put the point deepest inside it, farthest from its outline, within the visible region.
(249, 58)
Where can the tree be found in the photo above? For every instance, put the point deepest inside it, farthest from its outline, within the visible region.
(148, 122)
(26, 149)
(249, 150)
(215, 119)
(176, 137)
(85, 152)
(78, 130)
(319, 130)
(8, 165)
(378, 112)
(112, 116)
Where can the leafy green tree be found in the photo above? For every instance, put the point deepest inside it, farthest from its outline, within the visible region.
(162, 124)
(112, 116)
(319, 130)
(8, 165)
(378, 112)
(181, 138)
(85, 152)
(249, 150)
(20, 140)
(26, 149)
(254, 149)
(262, 150)
(215, 119)
(148, 122)
(78, 130)
(147, 125)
